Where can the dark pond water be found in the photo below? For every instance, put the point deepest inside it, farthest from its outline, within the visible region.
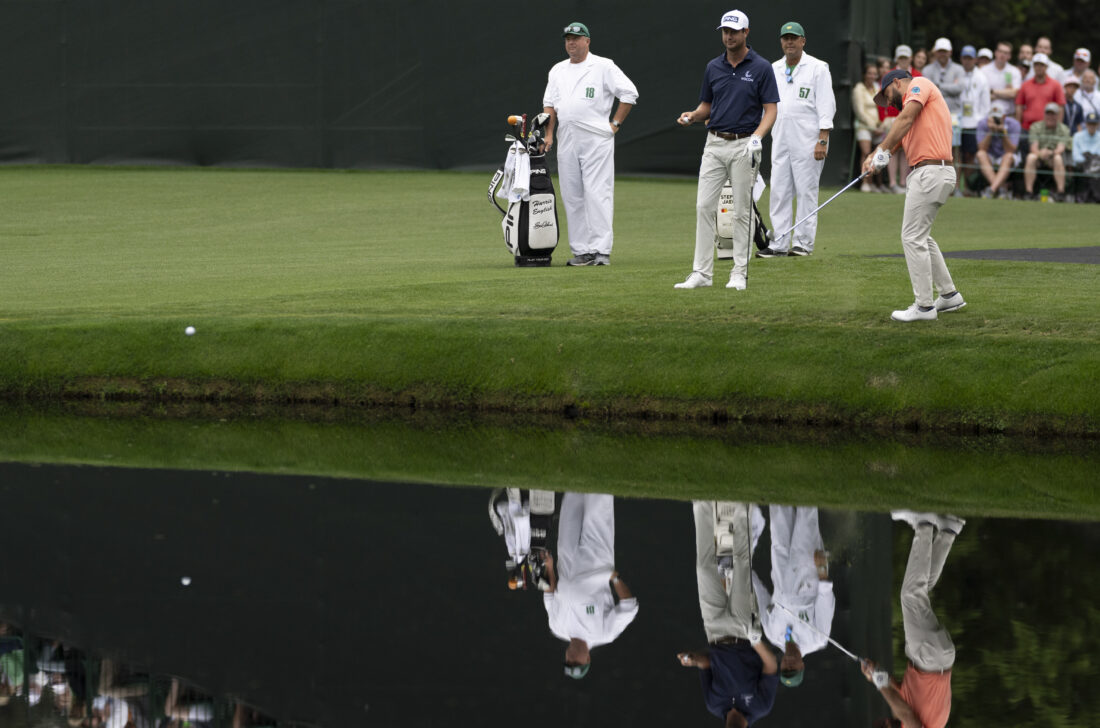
(212, 598)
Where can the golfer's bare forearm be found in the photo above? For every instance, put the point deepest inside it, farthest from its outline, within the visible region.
(899, 707)
(901, 127)
(767, 657)
(766, 121)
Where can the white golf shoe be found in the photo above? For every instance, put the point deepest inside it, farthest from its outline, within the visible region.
(952, 524)
(913, 313)
(951, 303)
(737, 282)
(695, 280)
(915, 518)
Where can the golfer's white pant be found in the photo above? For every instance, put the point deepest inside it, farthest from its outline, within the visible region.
(725, 613)
(795, 536)
(925, 192)
(796, 176)
(586, 536)
(586, 178)
(724, 159)
(927, 643)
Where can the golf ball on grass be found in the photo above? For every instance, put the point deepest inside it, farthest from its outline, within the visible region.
(190, 331)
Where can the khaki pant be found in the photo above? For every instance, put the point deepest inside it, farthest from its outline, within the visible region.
(732, 612)
(722, 159)
(927, 643)
(925, 192)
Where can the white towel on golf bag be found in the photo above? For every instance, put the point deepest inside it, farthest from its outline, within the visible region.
(517, 529)
(758, 188)
(517, 175)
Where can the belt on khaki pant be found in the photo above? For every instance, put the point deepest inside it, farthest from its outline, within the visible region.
(937, 162)
(728, 135)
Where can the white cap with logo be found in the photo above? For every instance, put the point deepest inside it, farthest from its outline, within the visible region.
(1082, 54)
(942, 44)
(903, 51)
(734, 20)
(1040, 58)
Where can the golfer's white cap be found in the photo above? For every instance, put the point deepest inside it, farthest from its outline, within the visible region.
(1082, 54)
(985, 53)
(734, 20)
(1040, 58)
(942, 44)
(903, 51)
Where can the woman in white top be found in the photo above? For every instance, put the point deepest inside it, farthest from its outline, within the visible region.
(869, 129)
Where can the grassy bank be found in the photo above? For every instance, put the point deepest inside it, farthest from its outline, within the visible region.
(370, 288)
(993, 476)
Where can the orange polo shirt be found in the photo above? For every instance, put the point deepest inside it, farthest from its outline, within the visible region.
(928, 694)
(930, 135)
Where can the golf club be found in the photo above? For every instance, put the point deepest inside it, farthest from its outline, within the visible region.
(834, 643)
(773, 237)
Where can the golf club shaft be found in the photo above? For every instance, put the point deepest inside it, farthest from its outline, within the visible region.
(838, 194)
(833, 642)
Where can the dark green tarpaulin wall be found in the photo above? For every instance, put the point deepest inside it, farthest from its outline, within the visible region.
(369, 83)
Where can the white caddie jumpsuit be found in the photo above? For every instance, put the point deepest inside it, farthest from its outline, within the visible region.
(806, 105)
(581, 95)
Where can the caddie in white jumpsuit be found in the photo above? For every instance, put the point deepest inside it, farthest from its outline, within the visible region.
(800, 141)
(580, 92)
(579, 604)
(800, 577)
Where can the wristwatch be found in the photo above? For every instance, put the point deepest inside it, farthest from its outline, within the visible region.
(823, 142)
(616, 123)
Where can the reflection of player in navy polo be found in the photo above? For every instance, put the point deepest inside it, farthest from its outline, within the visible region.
(736, 679)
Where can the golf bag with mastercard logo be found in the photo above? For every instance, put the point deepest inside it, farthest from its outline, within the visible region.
(723, 228)
(530, 222)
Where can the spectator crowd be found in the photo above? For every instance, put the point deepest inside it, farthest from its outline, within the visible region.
(1026, 129)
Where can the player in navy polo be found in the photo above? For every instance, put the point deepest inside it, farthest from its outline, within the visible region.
(740, 97)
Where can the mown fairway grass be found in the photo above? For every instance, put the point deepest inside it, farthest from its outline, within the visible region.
(395, 287)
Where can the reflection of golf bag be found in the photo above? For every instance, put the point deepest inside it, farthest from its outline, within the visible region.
(524, 519)
(723, 229)
(530, 225)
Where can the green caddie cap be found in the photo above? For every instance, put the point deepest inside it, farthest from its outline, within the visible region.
(575, 29)
(792, 679)
(792, 28)
(577, 671)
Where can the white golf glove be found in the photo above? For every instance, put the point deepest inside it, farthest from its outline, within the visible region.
(754, 147)
(880, 160)
(881, 678)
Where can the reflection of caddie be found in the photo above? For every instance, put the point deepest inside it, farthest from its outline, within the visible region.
(579, 94)
(800, 577)
(579, 604)
(800, 140)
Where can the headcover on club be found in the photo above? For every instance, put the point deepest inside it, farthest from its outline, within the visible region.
(577, 671)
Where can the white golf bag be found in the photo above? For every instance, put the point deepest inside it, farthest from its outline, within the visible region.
(724, 217)
(530, 224)
(524, 520)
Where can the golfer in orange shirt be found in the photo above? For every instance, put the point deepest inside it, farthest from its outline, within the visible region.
(923, 129)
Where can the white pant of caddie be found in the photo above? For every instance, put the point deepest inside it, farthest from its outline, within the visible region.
(586, 177)
(586, 536)
(796, 177)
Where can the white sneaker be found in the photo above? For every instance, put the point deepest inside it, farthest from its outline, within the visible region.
(946, 305)
(952, 524)
(695, 280)
(737, 282)
(913, 313)
(897, 189)
(915, 518)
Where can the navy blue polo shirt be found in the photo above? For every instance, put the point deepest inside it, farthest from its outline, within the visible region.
(736, 679)
(737, 95)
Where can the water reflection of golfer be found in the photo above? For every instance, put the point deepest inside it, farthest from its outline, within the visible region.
(581, 600)
(799, 615)
(924, 696)
(738, 670)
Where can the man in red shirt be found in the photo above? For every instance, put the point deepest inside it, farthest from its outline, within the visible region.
(1036, 93)
(923, 698)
